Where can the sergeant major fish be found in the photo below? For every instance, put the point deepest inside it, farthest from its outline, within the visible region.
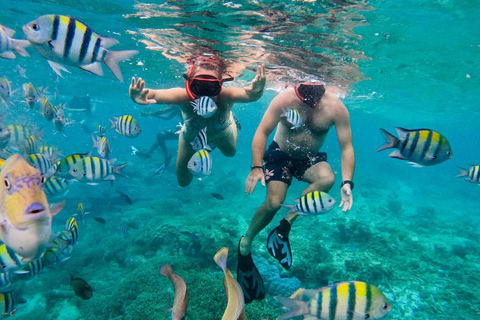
(7, 44)
(62, 167)
(126, 126)
(293, 117)
(422, 147)
(5, 134)
(102, 145)
(204, 106)
(312, 203)
(180, 301)
(200, 164)
(341, 301)
(92, 169)
(65, 40)
(25, 215)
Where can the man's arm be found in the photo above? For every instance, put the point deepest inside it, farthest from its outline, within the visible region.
(344, 136)
(267, 125)
(250, 93)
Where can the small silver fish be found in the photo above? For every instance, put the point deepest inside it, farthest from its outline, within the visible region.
(102, 145)
(160, 170)
(5, 91)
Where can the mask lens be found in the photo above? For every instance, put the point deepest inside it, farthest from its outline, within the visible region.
(205, 87)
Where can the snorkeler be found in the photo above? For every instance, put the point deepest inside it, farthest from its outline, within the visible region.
(204, 79)
(292, 153)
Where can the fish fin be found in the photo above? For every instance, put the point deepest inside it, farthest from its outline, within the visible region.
(95, 142)
(8, 31)
(8, 55)
(397, 155)
(56, 207)
(463, 173)
(57, 67)
(94, 183)
(296, 307)
(19, 47)
(391, 140)
(402, 132)
(221, 258)
(117, 169)
(108, 42)
(109, 177)
(95, 68)
(415, 165)
(298, 294)
(290, 207)
(114, 57)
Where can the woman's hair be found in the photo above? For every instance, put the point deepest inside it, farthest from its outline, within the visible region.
(208, 61)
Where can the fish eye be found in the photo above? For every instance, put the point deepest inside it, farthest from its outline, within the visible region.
(367, 316)
(385, 306)
(35, 27)
(8, 185)
(42, 180)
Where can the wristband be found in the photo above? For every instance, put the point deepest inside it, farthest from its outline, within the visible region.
(350, 182)
(256, 167)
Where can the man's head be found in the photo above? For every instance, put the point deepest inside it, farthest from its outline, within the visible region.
(205, 76)
(310, 93)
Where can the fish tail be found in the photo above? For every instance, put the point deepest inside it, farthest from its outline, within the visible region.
(166, 269)
(114, 57)
(19, 47)
(463, 173)
(290, 207)
(116, 169)
(392, 141)
(113, 124)
(296, 307)
(221, 258)
(95, 142)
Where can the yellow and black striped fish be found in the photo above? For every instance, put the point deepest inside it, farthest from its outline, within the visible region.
(42, 163)
(66, 40)
(55, 185)
(422, 147)
(31, 269)
(9, 300)
(91, 169)
(62, 167)
(352, 300)
(126, 126)
(5, 134)
(312, 203)
(9, 260)
(18, 136)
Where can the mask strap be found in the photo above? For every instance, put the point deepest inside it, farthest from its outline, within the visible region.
(187, 77)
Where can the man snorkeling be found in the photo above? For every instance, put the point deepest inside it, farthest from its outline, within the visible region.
(302, 116)
(205, 78)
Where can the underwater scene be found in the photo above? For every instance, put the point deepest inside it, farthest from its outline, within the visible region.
(127, 185)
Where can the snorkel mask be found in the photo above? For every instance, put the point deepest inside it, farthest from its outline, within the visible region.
(203, 85)
(310, 93)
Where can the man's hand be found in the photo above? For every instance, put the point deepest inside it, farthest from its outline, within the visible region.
(258, 83)
(347, 198)
(138, 93)
(253, 177)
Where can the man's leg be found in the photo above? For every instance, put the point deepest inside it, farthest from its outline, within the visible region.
(321, 178)
(248, 276)
(185, 152)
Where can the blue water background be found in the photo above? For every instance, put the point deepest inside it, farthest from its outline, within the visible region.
(411, 64)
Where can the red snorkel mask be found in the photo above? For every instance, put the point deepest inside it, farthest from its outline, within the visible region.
(202, 85)
(310, 93)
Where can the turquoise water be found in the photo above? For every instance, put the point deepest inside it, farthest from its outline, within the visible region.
(413, 232)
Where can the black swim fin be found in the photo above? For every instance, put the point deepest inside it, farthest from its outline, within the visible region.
(279, 246)
(249, 278)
